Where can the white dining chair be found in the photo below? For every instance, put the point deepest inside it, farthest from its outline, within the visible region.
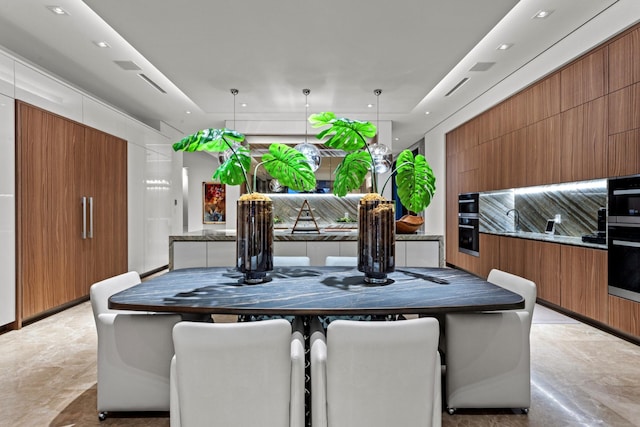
(238, 374)
(134, 352)
(291, 261)
(376, 374)
(342, 261)
(488, 354)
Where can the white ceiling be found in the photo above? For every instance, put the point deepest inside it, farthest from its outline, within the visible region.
(197, 50)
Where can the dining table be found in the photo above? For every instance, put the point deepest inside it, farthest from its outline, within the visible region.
(316, 291)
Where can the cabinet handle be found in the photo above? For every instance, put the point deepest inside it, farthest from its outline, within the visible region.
(84, 217)
(466, 226)
(91, 217)
(625, 243)
(625, 192)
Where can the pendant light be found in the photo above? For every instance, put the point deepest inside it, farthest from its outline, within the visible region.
(226, 154)
(310, 151)
(381, 154)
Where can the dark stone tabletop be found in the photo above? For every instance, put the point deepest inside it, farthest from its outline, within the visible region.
(316, 291)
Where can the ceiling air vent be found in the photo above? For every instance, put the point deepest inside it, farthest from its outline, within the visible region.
(456, 87)
(482, 66)
(128, 65)
(152, 83)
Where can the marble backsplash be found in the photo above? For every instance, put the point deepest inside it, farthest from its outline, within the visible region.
(326, 208)
(577, 204)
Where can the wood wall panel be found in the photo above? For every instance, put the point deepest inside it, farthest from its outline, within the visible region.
(544, 150)
(583, 281)
(49, 212)
(59, 162)
(584, 80)
(624, 315)
(624, 61)
(543, 99)
(542, 266)
(107, 156)
(513, 255)
(624, 109)
(624, 153)
(584, 141)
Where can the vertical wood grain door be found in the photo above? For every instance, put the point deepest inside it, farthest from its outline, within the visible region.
(106, 185)
(60, 164)
(49, 153)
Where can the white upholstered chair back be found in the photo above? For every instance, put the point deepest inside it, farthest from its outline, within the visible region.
(378, 374)
(101, 291)
(236, 374)
(134, 352)
(291, 261)
(524, 287)
(347, 261)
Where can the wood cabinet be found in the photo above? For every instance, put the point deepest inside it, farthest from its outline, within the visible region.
(543, 151)
(542, 266)
(583, 281)
(542, 100)
(624, 153)
(65, 245)
(584, 137)
(624, 109)
(624, 68)
(624, 315)
(584, 80)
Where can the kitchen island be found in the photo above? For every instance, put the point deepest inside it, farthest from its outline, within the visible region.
(217, 248)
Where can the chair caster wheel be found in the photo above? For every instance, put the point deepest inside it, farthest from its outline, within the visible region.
(451, 411)
(102, 416)
(525, 411)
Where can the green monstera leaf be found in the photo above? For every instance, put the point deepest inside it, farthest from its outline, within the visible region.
(351, 172)
(345, 134)
(213, 140)
(415, 181)
(289, 167)
(233, 170)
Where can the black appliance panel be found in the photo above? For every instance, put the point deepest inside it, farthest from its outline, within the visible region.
(468, 204)
(624, 200)
(469, 235)
(624, 261)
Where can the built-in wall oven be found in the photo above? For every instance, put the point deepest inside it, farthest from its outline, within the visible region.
(623, 234)
(469, 223)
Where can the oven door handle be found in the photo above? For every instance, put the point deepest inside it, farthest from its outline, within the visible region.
(625, 243)
(626, 192)
(466, 226)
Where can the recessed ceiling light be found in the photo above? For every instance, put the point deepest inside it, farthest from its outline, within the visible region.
(541, 14)
(102, 44)
(244, 104)
(504, 46)
(427, 112)
(188, 112)
(369, 105)
(57, 10)
(396, 139)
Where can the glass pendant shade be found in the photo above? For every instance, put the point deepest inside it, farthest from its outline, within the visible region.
(312, 154)
(382, 158)
(228, 153)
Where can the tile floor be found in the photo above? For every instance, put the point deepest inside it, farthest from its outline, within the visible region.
(581, 376)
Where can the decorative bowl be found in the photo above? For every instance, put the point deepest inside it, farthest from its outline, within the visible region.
(409, 224)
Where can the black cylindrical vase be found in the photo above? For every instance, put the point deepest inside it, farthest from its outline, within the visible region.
(254, 242)
(376, 240)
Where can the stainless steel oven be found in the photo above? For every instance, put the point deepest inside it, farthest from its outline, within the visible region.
(623, 234)
(469, 224)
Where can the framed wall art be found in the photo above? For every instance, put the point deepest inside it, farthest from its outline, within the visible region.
(213, 203)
